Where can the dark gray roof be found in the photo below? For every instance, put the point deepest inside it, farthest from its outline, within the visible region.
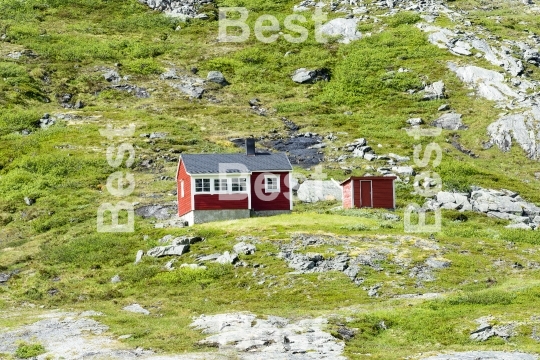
(210, 163)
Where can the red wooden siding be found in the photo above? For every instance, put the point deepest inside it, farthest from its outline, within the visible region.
(356, 192)
(281, 200)
(347, 195)
(184, 203)
(221, 201)
(365, 191)
(383, 194)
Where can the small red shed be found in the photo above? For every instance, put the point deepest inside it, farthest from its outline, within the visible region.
(369, 191)
(232, 186)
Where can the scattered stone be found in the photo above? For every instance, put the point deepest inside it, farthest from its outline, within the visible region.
(29, 201)
(139, 256)
(484, 355)
(171, 250)
(227, 258)
(111, 76)
(116, 279)
(415, 121)
(139, 92)
(449, 121)
(179, 8)
(434, 91)
(4, 277)
(217, 77)
(136, 308)
(345, 333)
(160, 212)
(305, 76)
(444, 107)
(345, 29)
(244, 248)
(374, 290)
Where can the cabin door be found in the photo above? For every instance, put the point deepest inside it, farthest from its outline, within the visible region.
(366, 197)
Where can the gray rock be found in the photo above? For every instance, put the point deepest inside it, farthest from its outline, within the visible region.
(4, 277)
(319, 190)
(345, 29)
(524, 128)
(158, 211)
(488, 84)
(217, 77)
(374, 290)
(444, 197)
(404, 170)
(29, 201)
(305, 76)
(111, 76)
(181, 9)
(116, 279)
(136, 308)
(227, 258)
(370, 157)
(171, 250)
(438, 263)
(443, 107)
(415, 121)
(211, 257)
(484, 355)
(434, 91)
(139, 256)
(244, 248)
(193, 91)
(449, 121)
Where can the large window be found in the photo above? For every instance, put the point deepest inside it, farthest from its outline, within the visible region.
(202, 185)
(220, 185)
(238, 184)
(271, 183)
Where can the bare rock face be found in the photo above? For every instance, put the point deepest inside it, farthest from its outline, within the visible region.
(524, 128)
(488, 84)
(319, 190)
(178, 8)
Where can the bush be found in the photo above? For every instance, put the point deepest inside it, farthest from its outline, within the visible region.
(26, 350)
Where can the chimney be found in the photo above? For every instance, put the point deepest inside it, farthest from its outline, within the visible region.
(250, 146)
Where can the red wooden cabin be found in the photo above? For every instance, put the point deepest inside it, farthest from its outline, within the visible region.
(230, 186)
(369, 191)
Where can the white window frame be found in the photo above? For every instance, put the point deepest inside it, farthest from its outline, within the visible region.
(181, 188)
(275, 178)
(202, 191)
(221, 182)
(241, 184)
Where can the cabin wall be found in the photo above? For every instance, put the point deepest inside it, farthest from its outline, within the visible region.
(261, 200)
(184, 203)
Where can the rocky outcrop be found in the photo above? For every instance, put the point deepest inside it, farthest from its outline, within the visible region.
(274, 338)
(449, 121)
(502, 204)
(319, 190)
(524, 128)
(178, 8)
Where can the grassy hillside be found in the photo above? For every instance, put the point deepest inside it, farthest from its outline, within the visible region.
(66, 48)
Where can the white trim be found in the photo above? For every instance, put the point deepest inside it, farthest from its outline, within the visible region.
(274, 177)
(192, 193)
(394, 193)
(352, 193)
(182, 188)
(248, 188)
(290, 191)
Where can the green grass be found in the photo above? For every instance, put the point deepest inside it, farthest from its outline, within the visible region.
(53, 244)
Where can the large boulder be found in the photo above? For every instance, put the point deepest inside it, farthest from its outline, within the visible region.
(217, 77)
(319, 190)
